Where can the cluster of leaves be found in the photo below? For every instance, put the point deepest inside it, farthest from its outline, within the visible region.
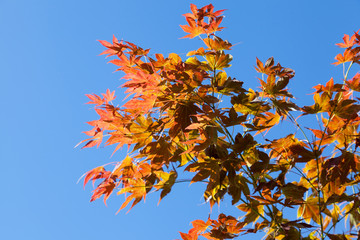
(181, 114)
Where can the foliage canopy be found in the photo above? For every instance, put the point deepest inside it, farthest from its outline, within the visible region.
(189, 115)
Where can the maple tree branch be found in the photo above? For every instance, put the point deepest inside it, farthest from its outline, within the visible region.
(347, 72)
(332, 113)
(319, 191)
(247, 171)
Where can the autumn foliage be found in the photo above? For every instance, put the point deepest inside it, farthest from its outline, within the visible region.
(190, 115)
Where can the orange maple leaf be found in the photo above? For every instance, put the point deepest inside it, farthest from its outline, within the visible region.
(197, 26)
(96, 173)
(354, 83)
(95, 99)
(350, 55)
(97, 134)
(348, 42)
(189, 236)
(194, 29)
(109, 96)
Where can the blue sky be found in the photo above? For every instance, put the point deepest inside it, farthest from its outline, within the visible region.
(49, 61)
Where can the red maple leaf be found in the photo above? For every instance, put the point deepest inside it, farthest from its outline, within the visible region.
(105, 188)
